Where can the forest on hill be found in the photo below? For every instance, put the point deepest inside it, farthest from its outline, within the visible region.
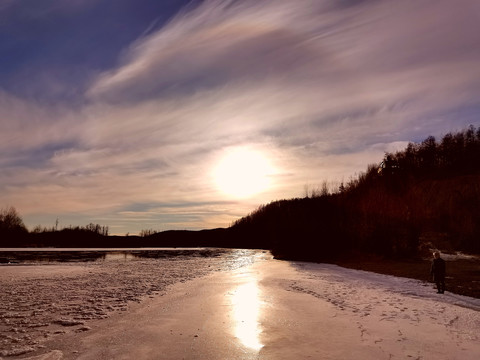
(427, 195)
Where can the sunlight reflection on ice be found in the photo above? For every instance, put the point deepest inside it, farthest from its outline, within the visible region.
(246, 308)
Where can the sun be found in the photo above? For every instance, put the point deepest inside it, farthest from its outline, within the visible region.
(243, 172)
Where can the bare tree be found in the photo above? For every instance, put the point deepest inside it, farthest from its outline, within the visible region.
(10, 220)
(147, 232)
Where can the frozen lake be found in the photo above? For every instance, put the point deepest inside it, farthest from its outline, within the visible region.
(227, 304)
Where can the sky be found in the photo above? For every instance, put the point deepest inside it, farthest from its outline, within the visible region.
(172, 114)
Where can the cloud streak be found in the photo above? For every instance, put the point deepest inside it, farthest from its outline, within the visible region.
(321, 87)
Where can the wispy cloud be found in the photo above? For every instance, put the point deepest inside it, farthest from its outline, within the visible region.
(321, 87)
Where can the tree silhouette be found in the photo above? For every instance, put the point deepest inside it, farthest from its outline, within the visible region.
(12, 228)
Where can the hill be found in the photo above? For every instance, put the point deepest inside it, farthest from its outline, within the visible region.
(427, 195)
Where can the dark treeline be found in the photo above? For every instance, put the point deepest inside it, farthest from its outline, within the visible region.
(429, 192)
(13, 233)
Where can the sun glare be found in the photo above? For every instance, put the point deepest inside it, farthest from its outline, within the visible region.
(243, 173)
(246, 307)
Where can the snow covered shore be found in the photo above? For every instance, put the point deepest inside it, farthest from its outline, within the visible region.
(266, 309)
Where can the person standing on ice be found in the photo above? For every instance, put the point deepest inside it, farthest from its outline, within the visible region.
(438, 272)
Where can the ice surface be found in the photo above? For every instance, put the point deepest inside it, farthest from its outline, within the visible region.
(38, 302)
(150, 309)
